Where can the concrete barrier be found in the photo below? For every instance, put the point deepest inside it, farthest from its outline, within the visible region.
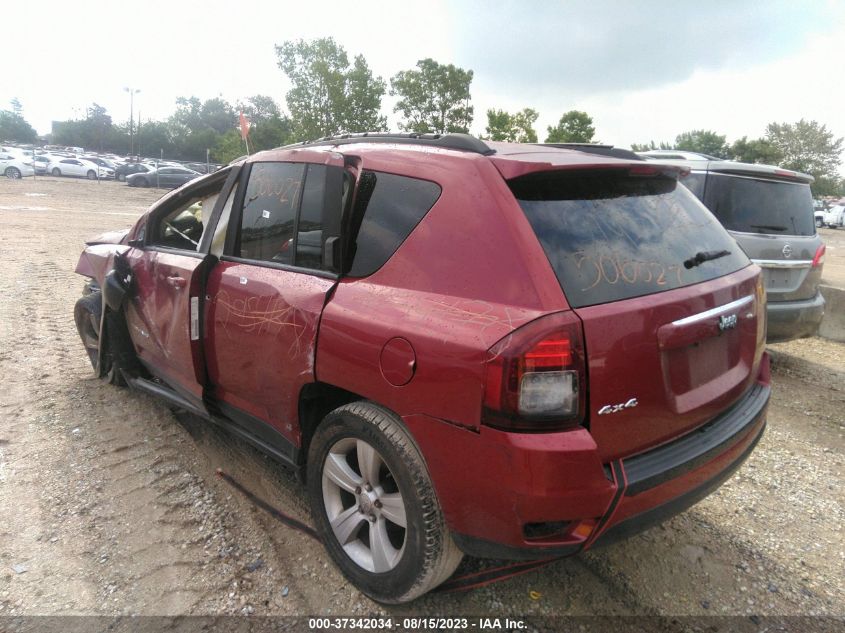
(833, 323)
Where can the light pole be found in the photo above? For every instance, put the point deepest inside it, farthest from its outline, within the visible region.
(132, 92)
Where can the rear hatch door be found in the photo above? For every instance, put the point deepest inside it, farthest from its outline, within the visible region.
(772, 220)
(669, 303)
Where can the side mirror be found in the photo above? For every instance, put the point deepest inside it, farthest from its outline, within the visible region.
(136, 243)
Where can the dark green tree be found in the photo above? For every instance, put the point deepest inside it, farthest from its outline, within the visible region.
(650, 146)
(328, 95)
(153, 139)
(195, 126)
(13, 127)
(758, 150)
(702, 142)
(93, 132)
(218, 115)
(433, 98)
(228, 147)
(809, 147)
(574, 126)
(827, 186)
(513, 128)
(96, 127)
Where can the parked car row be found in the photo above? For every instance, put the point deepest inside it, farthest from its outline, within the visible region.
(570, 320)
(73, 161)
(79, 167)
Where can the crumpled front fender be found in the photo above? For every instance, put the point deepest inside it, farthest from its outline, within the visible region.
(97, 260)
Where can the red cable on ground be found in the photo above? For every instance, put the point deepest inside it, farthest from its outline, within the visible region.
(460, 583)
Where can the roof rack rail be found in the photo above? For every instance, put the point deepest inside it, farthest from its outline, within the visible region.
(460, 142)
(596, 148)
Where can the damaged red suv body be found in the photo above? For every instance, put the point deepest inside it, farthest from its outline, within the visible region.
(512, 351)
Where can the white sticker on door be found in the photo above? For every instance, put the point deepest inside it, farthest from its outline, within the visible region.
(265, 214)
(195, 318)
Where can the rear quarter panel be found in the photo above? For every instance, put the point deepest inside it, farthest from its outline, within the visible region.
(470, 273)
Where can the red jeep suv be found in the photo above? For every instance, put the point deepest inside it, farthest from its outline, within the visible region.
(509, 351)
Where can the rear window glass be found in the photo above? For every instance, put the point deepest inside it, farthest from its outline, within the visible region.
(752, 205)
(388, 208)
(611, 236)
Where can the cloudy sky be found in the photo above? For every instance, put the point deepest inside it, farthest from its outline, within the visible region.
(643, 69)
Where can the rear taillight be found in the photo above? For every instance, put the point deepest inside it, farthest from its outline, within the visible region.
(535, 378)
(818, 260)
(760, 305)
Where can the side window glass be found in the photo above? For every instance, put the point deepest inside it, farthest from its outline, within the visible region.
(309, 237)
(269, 212)
(387, 208)
(182, 226)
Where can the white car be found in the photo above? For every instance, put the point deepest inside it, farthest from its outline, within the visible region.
(15, 166)
(42, 161)
(833, 217)
(78, 167)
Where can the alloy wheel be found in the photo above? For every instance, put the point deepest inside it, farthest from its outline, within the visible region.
(364, 506)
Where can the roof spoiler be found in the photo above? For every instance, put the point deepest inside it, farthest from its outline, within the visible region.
(596, 148)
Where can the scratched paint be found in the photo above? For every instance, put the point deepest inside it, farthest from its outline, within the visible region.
(262, 315)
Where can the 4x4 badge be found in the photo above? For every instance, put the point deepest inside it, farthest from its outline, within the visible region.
(616, 408)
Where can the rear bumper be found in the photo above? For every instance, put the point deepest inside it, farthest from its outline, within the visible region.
(499, 483)
(640, 522)
(661, 483)
(789, 320)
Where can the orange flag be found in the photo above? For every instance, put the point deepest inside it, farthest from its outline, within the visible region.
(244, 126)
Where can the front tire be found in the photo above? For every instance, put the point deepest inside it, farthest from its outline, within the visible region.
(121, 177)
(375, 507)
(13, 173)
(92, 175)
(56, 171)
(819, 223)
(87, 313)
(142, 182)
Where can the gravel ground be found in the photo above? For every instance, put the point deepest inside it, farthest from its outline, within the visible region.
(110, 504)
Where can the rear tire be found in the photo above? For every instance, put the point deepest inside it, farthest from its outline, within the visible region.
(13, 173)
(121, 177)
(363, 445)
(87, 313)
(142, 182)
(819, 224)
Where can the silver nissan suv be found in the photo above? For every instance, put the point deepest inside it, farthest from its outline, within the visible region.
(769, 211)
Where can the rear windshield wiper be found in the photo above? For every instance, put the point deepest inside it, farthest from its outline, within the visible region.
(704, 256)
(768, 227)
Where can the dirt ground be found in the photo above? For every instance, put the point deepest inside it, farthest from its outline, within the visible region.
(110, 505)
